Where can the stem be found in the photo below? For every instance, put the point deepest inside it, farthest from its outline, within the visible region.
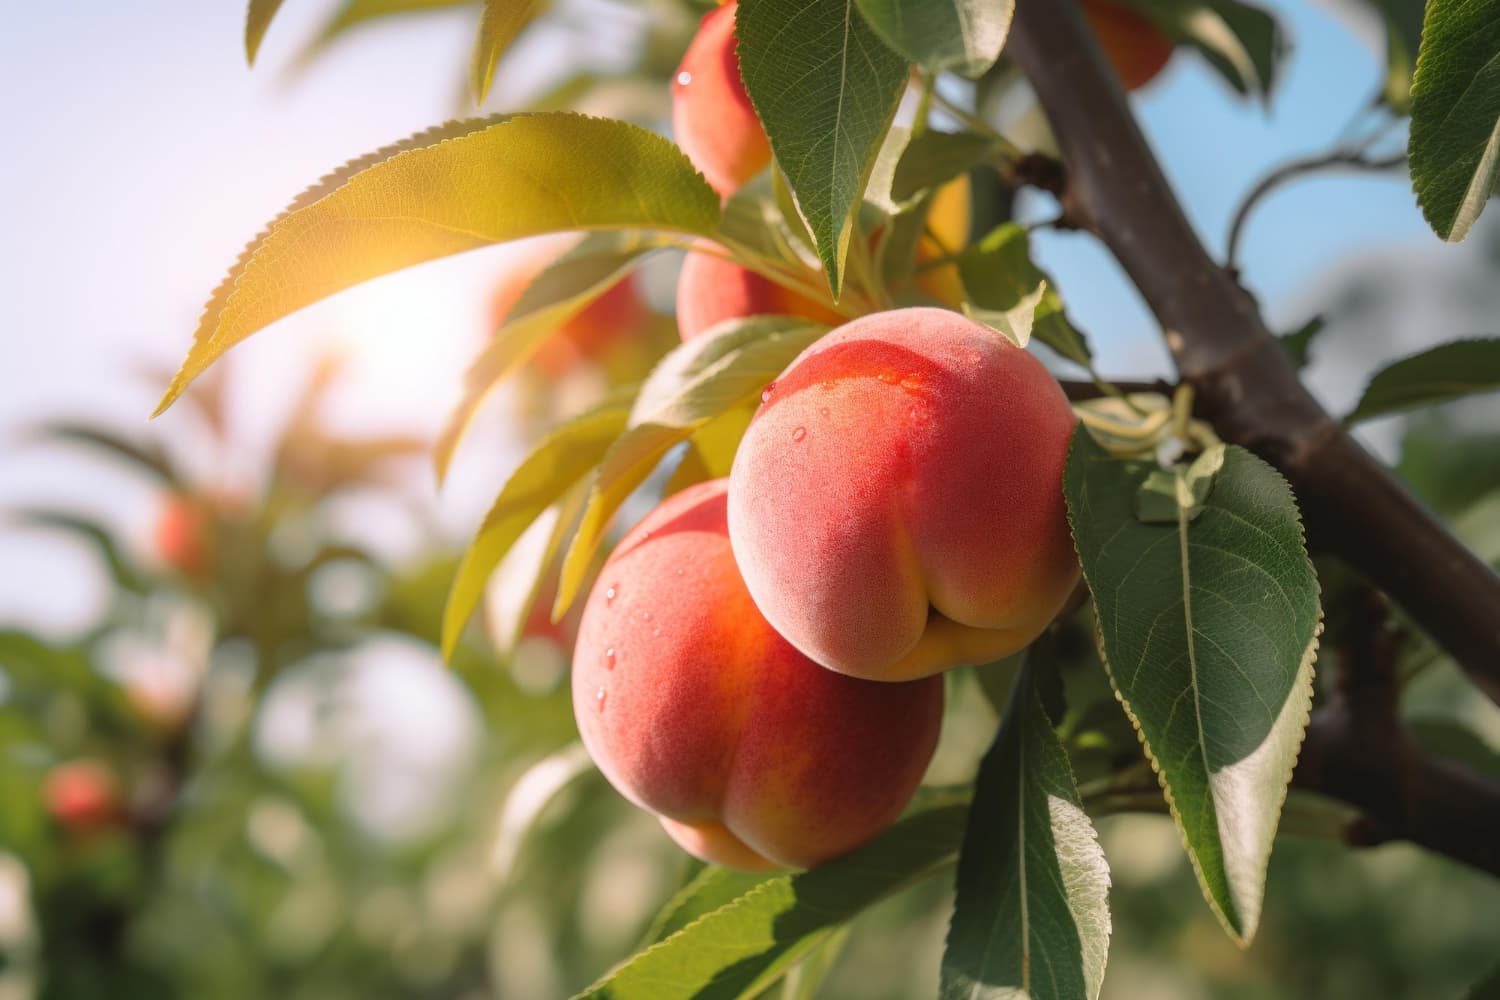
(1356, 159)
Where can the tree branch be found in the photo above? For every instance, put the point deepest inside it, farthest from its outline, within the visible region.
(1357, 751)
(1247, 387)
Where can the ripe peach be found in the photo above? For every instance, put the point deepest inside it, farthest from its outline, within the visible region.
(183, 535)
(712, 117)
(1136, 48)
(694, 708)
(82, 796)
(591, 333)
(711, 290)
(896, 505)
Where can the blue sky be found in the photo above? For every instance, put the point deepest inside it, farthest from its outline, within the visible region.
(142, 154)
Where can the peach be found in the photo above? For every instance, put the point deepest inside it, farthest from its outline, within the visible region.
(712, 117)
(896, 505)
(1136, 48)
(947, 234)
(711, 289)
(588, 336)
(751, 755)
(183, 535)
(82, 796)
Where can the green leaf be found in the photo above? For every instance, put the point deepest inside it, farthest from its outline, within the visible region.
(964, 36)
(710, 889)
(561, 459)
(1488, 988)
(499, 25)
(1453, 740)
(1241, 41)
(1209, 629)
(459, 187)
(804, 981)
(1031, 919)
(705, 377)
(352, 14)
(257, 20)
(1448, 371)
(533, 791)
(555, 296)
(999, 278)
(146, 457)
(825, 88)
(932, 159)
(120, 569)
(1170, 494)
(747, 943)
(1403, 30)
(1298, 343)
(1454, 146)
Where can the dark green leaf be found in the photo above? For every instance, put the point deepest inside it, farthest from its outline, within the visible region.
(1241, 41)
(146, 457)
(748, 942)
(1454, 146)
(999, 277)
(1445, 372)
(1209, 629)
(1298, 343)
(1453, 740)
(825, 88)
(1487, 988)
(964, 36)
(933, 158)
(1031, 919)
(120, 568)
(459, 187)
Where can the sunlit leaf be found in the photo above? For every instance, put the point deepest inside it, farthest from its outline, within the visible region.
(964, 36)
(1209, 628)
(1000, 280)
(710, 889)
(826, 88)
(456, 188)
(1454, 147)
(257, 20)
(1446, 372)
(748, 942)
(499, 25)
(563, 290)
(709, 375)
(1031, 919)
(561, 459)
(353, 14)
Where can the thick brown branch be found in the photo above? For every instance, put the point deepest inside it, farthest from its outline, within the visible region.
(1246, 385)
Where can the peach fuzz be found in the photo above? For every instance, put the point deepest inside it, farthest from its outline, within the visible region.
(711, 289)
(1136, 48)
(896, 505)
(751, 755)
(713, 120)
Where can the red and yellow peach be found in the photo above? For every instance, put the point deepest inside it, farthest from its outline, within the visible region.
(696, 709)
(896, 505)
(713, 120)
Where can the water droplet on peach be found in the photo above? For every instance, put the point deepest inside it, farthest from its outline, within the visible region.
(599, 698)
(823, 411)
(611, 593)
(765, 394)
(799, 433)
(609, 658)
(684, 78)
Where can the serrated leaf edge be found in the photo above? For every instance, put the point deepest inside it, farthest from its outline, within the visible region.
(1309, 658)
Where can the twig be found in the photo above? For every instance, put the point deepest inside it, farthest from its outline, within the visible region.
(1356, 159)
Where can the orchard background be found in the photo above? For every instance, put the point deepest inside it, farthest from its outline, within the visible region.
(234, 762)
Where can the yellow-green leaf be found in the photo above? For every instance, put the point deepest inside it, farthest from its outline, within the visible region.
(499, 25)
(560, 460)
(257, 20)
(704, 378)
(456, 188)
